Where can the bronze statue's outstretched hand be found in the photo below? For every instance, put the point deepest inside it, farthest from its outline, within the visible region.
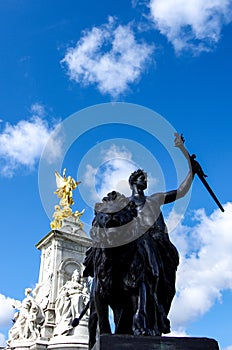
(179, 143)
(179, 140)
(193, 164)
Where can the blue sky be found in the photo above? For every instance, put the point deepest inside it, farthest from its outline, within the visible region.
(169, 57)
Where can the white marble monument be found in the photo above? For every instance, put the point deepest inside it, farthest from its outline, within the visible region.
(44, 318)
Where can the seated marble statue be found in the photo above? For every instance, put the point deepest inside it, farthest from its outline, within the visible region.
(71, 300)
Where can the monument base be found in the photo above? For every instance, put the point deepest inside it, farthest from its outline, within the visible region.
(130, 342)
(55, 343)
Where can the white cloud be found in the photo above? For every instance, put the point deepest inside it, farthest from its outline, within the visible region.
(181, 332)
(116, 152)
(115, 177)
(205, 269)
(7, 311)
(6, 315)
(22, 144)
(116, 164)
(192, 24)
(228, 348)
(180, 233)
(38, 109)
(89, 180)
(2, 340)
(108, 56)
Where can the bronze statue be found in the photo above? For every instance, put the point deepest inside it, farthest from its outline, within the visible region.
(132, 260)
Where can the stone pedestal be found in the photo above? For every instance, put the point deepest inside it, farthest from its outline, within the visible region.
(68, 343)
(62, 252)
(56, 343)
(130, 342)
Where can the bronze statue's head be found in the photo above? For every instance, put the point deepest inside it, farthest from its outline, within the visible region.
(138, 177)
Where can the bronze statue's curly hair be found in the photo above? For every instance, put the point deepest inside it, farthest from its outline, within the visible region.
(135, 175)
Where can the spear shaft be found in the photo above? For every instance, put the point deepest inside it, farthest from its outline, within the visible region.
(209, 189)
(199, 171)
(77, 320)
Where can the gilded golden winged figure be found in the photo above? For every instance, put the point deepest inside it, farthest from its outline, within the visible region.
(64, 191)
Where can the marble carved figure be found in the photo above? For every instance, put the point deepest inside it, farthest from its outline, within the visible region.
(28, 320)
(71, 300)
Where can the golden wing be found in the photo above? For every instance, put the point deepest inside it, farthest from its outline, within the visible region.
(60, 182)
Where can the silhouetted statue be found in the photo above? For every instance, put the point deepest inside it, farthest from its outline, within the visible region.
(132, 260)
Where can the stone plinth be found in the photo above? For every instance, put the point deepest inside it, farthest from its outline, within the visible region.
(68, 343)
(130, 342)
(62, 251)
(56, 343)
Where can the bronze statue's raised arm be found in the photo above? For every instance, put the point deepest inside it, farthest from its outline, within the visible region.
(195, 168)
(184, 187)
